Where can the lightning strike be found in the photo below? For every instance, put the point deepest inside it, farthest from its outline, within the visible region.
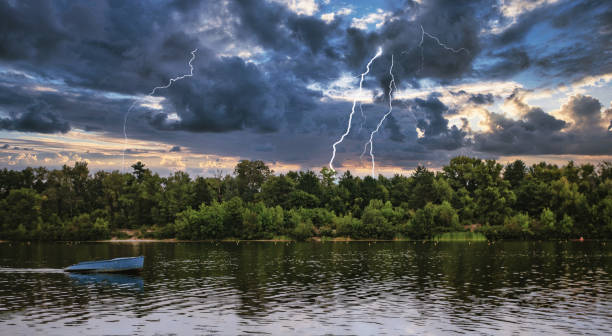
(363, 117)
(443, 45)
(370, 142)
(348, 128)
(392, 85)
(150, 94)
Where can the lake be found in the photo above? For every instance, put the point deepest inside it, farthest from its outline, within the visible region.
(313, 288)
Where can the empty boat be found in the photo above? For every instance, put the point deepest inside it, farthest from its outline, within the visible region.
(130, 264)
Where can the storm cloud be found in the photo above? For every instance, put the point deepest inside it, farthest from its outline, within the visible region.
(266, 73)
(538, 132)
(36, 118)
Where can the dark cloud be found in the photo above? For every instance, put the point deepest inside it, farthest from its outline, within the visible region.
(299, 40)
(585, 111)
(77, 108)
(456, 24)
(519, 30)
(131, 47)
(100, 45)
(482, 99)
(37, 118)
(540, 133)
(436, 132)
(262, 21)
(478, 98)
(507, 62)
(89, 128)
(175, 149)
(5, 146)
(394, 129)
(227, 95)
(518, 137)
(433, 123)
(267, 147)
(587, 25)
(96, 53)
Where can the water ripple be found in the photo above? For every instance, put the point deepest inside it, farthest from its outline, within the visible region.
(325, 288)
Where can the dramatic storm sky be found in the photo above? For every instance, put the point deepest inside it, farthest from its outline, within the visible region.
(275, 81)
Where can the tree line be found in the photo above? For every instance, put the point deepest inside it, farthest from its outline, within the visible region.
(542, 201)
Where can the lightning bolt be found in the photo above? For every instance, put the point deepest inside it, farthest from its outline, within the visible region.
(150, 94)
(370, 142)
(363, 117)
(348, 128)
(392, 85)
(443, 45)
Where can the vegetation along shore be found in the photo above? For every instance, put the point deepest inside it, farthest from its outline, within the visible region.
(490, 201)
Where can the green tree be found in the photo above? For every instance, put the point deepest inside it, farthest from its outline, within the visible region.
(275, 191)
(566, 224)
(20, 212)
(375, 224)
(232, 220)
(302, 199)
(422, 190)
(518, 225)
(250, 176)
(177, 195)
(515, 173)
(547, 220)
(309, 182)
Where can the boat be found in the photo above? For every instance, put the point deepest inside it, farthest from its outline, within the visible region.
(130, 264)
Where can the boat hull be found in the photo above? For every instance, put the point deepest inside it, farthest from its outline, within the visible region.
(117, 265)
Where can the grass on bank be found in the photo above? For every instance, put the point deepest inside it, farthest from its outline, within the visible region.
(460, 236)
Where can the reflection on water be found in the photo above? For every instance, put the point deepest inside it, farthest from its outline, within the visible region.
(311, 288)
(123, 280)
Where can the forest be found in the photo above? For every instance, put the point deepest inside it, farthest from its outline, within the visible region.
(516, 201)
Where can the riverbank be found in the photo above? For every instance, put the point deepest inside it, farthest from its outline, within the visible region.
(134, 236)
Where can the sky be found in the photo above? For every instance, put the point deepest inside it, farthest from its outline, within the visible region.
(279, 80)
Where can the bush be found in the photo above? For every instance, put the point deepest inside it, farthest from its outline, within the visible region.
(518, 226)
(375, 224)
(101, 229)
(205, 223)
(432, 219)
(347, 225)
(232, 218)
(566, 224)
(318, 216)
(326, 231)
(460, 236)
(84, 227)
(165, 231)
(272, 220)
(547, 219)
(303, 231)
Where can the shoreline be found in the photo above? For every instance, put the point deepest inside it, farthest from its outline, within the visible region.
(311, 240)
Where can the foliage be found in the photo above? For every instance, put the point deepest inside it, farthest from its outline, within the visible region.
(460, 236)
(516, 201)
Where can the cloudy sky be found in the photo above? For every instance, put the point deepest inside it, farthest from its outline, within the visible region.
(277, 81)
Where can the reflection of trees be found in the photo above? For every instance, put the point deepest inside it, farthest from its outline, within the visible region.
(256, 280)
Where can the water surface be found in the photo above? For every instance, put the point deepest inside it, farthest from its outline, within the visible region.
(310, 288)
